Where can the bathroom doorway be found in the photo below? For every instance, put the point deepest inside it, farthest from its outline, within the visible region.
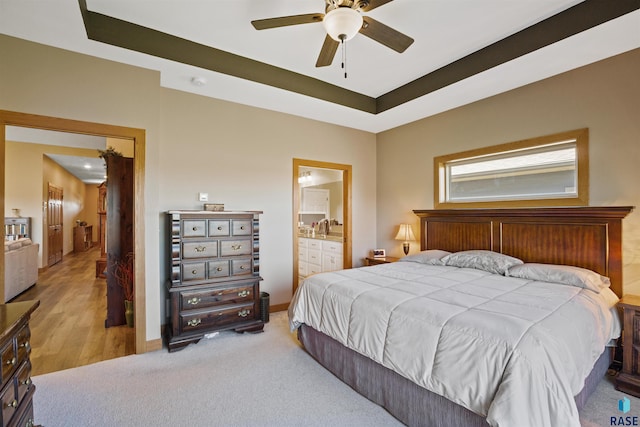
(321, 218)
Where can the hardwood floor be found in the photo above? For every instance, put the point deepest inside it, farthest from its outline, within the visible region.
(67, 330)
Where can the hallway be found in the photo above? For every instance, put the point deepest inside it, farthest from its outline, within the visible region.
(67, 330)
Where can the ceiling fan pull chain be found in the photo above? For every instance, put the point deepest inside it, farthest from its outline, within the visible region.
(344, 56)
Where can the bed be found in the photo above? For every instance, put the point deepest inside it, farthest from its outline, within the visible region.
(439, 341)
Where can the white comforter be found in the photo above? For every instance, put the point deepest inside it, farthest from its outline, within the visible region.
(509, 349)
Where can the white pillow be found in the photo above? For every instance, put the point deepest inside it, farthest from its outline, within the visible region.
(564, 274)
(431, 256)
(490, 261)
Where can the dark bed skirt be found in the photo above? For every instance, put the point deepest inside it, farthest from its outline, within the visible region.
(408, 402)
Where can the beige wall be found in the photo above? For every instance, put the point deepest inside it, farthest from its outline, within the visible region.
(241, 156)
(604, 97)
(27, 172)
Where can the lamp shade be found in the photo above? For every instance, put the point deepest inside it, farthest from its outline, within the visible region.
(405, 233)
(342, 23)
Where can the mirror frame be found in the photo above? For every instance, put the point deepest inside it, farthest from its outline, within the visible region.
(346, 203)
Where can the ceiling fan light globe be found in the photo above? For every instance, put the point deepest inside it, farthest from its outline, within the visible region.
(342, 23)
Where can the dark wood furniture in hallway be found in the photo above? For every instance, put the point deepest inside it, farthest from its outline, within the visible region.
(68, 328)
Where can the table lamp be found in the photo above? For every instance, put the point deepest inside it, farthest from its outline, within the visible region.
(405, 233)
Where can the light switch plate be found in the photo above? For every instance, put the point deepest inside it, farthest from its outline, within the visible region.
(203, 197)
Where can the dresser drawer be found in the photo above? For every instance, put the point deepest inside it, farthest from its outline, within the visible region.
(190, 300)
(23, 378)
(218, 269)
(9, 402)
(192, 271)
(9, 359)
(23, 343)
(193, 321)
(241, 266)
(200, 249)
(235, 247)
(218, 227)
(193, 228)
(242, 227)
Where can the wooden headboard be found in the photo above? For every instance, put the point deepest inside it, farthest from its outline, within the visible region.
(587, 237)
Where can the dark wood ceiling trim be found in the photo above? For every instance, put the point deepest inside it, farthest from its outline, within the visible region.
(569, 22)
(135, 37)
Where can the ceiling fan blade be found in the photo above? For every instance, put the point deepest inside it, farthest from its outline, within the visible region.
(385, 35)
(372, 4)
(328, 51)
(283, 21)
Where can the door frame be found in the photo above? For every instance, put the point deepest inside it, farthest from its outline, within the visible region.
(346, 203)
(12, 118)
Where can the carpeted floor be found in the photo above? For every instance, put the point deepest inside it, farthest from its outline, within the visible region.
(231, 379)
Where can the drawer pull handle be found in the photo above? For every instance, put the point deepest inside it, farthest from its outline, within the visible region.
(194, 322)
(26, 345)
(27, 382)
(243, 294)
(219, 269)
(242, 227)
(244, 313)
(242, 267)
(195, 228)
(12, 361)
(200, 248)
(194, 301)
(236, 247)
(219, 228)
(194, 271)
(13, 404)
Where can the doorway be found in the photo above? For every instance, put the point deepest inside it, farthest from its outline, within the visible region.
(10, 118)
(316, 200)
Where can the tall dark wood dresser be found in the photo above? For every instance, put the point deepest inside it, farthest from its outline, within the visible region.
(214, 277)
(17, 389)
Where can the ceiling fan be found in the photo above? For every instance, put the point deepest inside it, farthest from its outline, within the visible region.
(342, 21)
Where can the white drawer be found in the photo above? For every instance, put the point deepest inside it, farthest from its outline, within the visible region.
(302, 269)
(314, 257)
(313, 269)
(315, 244)
(302, 254)
(331, 262)
(303, 243)
(333, 247)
